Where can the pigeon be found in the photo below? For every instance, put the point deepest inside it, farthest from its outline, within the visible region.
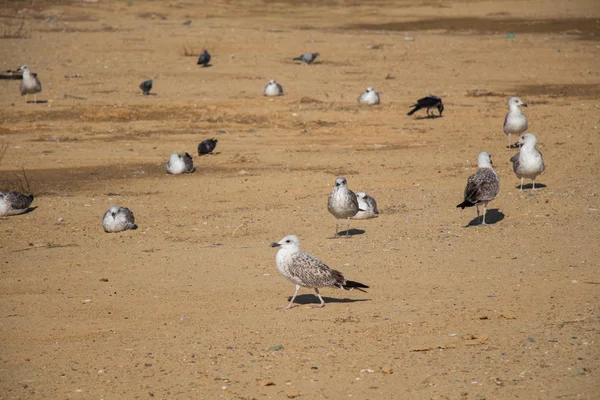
(14, 203)
(515, 121)
(180, 164)
(146, 87)
(204, 59)
(273, 89)
(307, 58)
(370, 97)
(342, 203)
(482, 187)
(30, 84)
(528, 162)
(430, 102)
(207, 146)
(118, 219)
(367, 207)
(304, 270)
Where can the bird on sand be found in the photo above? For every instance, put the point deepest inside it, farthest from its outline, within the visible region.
(515, 121)
(370, 97)
(207, 146)
(14, 203)
(528, 162)
(430, 102)
(118, 219)
(342, 203)
(146, 87)
(482, 187)
(307, 58)
(273, 89)
(367, 207)
(204, 59)
(304, 270)
(179, 164)
(30, 84)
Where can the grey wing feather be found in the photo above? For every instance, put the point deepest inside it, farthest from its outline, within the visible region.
(280, 89)
(19, 201)
(482, 186)
(189, 163)
(314, 273)
(515, 160)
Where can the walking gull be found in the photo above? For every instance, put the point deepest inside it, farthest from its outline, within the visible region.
(207, 146)
(342, 203)
(370, 97)
(304, 270)
(482, 187)
(367, 206)
(146, 87)
(30, 84)
(528, 162)
(307, 58)
(118, 219)
(273, 89)
(13, 203)
(515, 121)
(204, 59)
(430, 102)
(179, 164)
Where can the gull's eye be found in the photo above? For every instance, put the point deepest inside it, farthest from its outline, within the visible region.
(287, 241)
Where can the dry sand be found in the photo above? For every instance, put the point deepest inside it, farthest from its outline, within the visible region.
(185, 307)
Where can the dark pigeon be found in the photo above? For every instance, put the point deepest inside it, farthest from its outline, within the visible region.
(207, 146)
(429, 102)
(307, 58)
(146, 87)
(204, 59)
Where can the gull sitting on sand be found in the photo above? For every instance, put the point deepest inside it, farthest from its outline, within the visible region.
(515, 121)
(179, 164)
(14, 203)
(30, 84)
(304, 270)
(273, 89)
(118, 219)
(342, 203)
(370, 97)
(528, 162)
(482, 187)
(367, 207)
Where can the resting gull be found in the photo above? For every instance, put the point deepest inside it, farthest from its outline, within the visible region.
(307, 58)
(30, 84)
(515, 121)
(528, 162)
(342, 203)
(14, 203)
(370, 97)
(207, 146)
(179, 164)
(273, 89)
(430, 102)
(304, 270)
(367, 206)
(482, 187)
(118, 219)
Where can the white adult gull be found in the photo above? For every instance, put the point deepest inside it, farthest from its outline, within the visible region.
(515, 121)
(528, 162)
(367, 207)
(273, 89)
(370, 97)
(179, 164)
(342, 203)
(482, 187)
(30, 84)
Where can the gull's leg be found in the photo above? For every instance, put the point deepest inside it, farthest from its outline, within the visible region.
(292, 301)
(477, 207)
(533, 180)
(484, 211)
(320, 298)
(348, 228)
(337, 221)
(521, 185)
(35, 98)
(26, 98)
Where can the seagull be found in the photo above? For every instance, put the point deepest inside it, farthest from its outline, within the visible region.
(14, 203)
(204, 59)
(180, 164)
(367, 206)
(304, 270)
(370, 97)
(482, 187)
(515, 121)
(273, 89)
(430, 102)
(342, 203)
(528, 162)
(207, 146)
(118, 219)
(146, 87)
(30, 84)
(307, 58)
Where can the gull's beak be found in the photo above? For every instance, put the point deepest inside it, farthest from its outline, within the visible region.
(274, 244)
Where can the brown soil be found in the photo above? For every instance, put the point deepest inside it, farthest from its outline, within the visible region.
(185, 307)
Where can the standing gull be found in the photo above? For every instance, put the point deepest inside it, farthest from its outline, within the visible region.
(13, 203)
(304, 270)
(307, 58)
(528, 162)
(146, 87)
(118, 219)
(482, 187)
(342, 203)
(515, 121)
(207, 146)
(30, 84)
(179, 164)
(430, 102)
(370, 97)
(204, 59)
(367, 206)
(273, 89)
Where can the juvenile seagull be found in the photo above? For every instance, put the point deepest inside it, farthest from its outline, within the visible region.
(430, 102)
(482, 187)
(528, 162)
(180, 164)
(273, 89)
(342, 203)
(30, 84)
(367, 206)
(207, 146)
(307, 58)
(515, 121)
(370, 97)
(118, 219)
(13, 203)
(204, 59)
(146, 87)
(304, 270)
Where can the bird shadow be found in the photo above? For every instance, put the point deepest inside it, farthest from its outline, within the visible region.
(491, 217)
(37, 102)
(206, 65)
(305, 299)
(431, 116)
(530, 186)
(349, 233)
(150, 94)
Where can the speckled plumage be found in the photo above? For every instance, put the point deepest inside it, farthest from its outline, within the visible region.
(482, 187)
(370, 97)
(528, 162)
(273, 89)
(367, 206)
(515, 121)
(179, 164)
(342, 203)
(118, 219)
(14, 203)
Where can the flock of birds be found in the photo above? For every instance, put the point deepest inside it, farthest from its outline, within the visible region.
(299, 267)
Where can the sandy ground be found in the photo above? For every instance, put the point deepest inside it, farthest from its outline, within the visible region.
(185, 307)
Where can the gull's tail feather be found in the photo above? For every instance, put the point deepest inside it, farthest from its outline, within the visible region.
(354, 285)
(465, 203)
